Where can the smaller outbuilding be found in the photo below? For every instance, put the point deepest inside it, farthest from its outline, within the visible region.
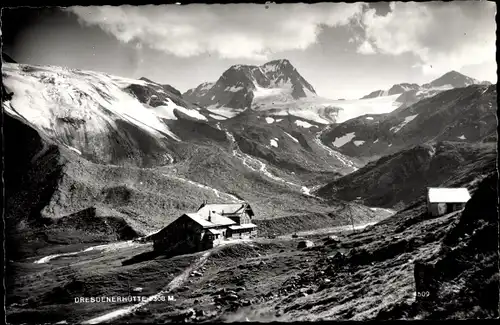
(442, 200)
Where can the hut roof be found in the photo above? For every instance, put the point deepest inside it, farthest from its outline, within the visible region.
(224, 208)
(448, 195)
(215, 220)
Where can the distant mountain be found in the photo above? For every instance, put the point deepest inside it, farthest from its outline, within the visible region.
(375, 94)
(460, 114)
(401, 88)
(276, 87)
(239, 84)
(395, 89)
(452, 79)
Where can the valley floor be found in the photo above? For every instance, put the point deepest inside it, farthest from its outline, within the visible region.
(259, 280)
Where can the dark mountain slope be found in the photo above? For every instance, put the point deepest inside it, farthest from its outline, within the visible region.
(462, 277)
(398, 179)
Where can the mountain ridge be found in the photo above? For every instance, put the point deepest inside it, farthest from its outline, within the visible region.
(451, 79)
(239, 84)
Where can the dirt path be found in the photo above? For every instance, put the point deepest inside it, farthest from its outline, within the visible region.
(105, 247)
(175, 283)
(328, 230)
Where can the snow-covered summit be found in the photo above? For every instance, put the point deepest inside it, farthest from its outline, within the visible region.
(93, 112)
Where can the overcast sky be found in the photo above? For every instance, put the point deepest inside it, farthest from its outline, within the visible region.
(343, 50)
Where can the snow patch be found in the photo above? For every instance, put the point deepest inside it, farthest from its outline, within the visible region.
(358, 143)
(167, 111)
(375, 141)
(74, 149)
(407, 120)
(274, 142)
(224, 111)
(369, 118)
(462, 137)
(279, 120)
(294, 139)
(339, 142)
(106, 248)
(217, 117)
(205, 187)
(269, 120)
(233, 88)
(303, 124)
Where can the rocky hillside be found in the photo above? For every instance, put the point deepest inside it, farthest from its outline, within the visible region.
(461, 114)
(396, 180)
(461, 278)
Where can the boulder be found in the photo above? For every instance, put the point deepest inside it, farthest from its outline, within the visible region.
(232, 297)
(333, 238)
(426, 284)
(305, 244)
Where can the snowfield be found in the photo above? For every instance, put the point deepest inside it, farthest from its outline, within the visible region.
(358, 107)
(45, 95)
(280, 102)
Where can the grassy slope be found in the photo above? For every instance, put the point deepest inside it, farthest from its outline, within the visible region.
(283, 283)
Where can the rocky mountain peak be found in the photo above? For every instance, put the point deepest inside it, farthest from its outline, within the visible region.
(239, 84)
(453, 78)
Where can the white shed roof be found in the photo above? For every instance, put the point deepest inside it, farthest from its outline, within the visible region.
(448, 195)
